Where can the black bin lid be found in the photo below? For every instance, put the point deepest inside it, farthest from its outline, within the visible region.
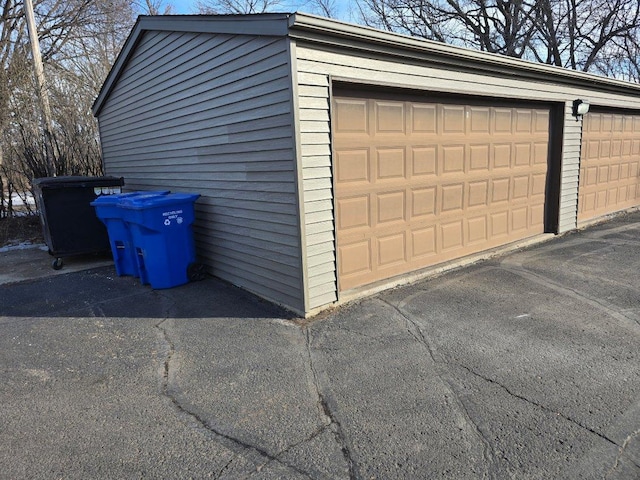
(78, 182)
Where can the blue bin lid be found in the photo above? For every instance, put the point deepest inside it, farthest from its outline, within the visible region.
(116, 199)
(151, 201)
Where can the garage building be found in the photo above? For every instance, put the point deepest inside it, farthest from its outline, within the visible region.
(335, 159)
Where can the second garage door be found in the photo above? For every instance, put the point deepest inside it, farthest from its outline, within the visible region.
(609, 164)
(418, 183)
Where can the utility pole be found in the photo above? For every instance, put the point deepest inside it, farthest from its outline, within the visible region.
(40, 83)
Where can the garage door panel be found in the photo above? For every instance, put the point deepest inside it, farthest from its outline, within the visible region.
(609, 164)
(451, 235)
(499, 224)
(355, 258)
(523, 154)
(441, 181)
(392, 249)
(352, 166)
(424, 160)
(501, 156)
(538, 184)
(390, 117)
(451, 198)
(453, 119)
(423, 202)
(351, 116)
(540, 153)
(536, 215)
(353, 213)
(423, 118)
(424, 242)
(477, 193)
(480, 120)
(541, 121)
(519, 219)
(524, 121)
(614, 172)
(612, 197)
(477, 230)
(502, 120)
(592, 175)
(616, 148)
(479, 157)
(452, 159)
(520, 187)
(500, 190)
(603, 174)
(391, 163)
(391, 207)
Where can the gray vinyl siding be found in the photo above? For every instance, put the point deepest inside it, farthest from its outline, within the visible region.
(317, 67)
(571, 145)
(212, 114)
(315, 152)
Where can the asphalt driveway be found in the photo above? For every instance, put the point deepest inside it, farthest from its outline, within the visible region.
(526, 366)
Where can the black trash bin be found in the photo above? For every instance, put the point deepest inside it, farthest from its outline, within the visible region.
(69, 222)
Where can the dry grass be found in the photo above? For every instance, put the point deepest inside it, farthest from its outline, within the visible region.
(16, 230)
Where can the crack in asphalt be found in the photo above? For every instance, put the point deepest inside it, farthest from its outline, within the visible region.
(97, 304)
(327, 408)
(95, 310)
(621, 453)
(487, 448)
(539, 405)
(517, 268)
(226, 467)
(316, 433)
(234, 444)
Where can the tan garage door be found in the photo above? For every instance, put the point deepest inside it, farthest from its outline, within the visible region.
(419, 183)
(609, 164)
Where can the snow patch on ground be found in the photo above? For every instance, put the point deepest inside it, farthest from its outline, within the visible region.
(22, 200)
(24, 246)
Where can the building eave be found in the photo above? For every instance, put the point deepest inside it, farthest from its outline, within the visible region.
(321, 30)
(356, 38)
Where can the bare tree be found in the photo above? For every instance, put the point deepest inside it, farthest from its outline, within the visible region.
(153, 7)
(325, 8)
(80, 39)
(237, 6)
(628, 60)
(588, 35)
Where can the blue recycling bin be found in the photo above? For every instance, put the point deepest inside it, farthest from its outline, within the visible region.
(162, 237)
(108, 210)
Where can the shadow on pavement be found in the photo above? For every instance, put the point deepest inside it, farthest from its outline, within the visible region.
(99, 292)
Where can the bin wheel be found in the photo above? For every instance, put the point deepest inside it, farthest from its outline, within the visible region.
(57, 264)
(196, 272)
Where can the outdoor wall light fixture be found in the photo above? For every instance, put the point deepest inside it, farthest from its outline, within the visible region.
(580, 107)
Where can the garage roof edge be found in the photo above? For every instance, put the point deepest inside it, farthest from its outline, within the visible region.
(321, 30)
(309, 27)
